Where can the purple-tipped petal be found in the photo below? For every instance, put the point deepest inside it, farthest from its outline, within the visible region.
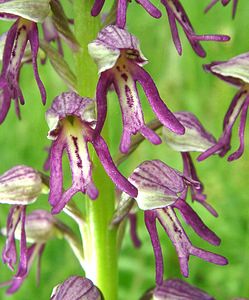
(165, 116)
(121, 13)
(104, 82)
(237, 154)
(133, 230)
(34, 43)
(182, 244)
(150, 222)
(105, 158)
(97, 6)
(192, 219)
(56, 174)
(64, 199)
(150, 8)
(176, 10)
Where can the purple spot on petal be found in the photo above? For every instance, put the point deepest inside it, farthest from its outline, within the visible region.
(129, 96)
(124, 76)
(79, 161)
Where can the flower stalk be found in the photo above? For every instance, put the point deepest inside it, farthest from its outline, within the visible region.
(100, 249)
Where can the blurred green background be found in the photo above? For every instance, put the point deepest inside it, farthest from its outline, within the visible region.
(184, 86)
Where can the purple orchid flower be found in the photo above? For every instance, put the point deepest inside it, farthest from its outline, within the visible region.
(120, 61)
(76, 287)
(224, 3)
(40, 226)
(17, 38)
(71, 122)
(20, 186)
(236, 72)
(160, 190)
(122, 9)
(175, 13)
(195, 138)
(176, 289)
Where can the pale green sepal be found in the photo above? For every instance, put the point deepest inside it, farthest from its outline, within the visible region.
(148, 199)
(105, 58)
(61, 23)
(190, 141)
(60, 65)
(237, 67)
(33, 10)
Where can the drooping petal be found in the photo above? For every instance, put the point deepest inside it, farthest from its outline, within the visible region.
(192, 219)
(150, 222)
(224, 143)
(97, 6)
(56, 173)
(34, 43)
(133, 230)
(121, 13)
(182, 244)
(165, 116)
(105, 158)
(237, 154)
(104, 82)
(150, 8)
(176, 10)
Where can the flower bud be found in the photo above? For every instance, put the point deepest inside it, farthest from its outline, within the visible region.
(76, 288)
(20, 185)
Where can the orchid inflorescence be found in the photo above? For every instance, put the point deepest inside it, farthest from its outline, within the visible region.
(77, 125)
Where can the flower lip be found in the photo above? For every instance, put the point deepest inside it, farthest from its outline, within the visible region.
(106, 49)
(234, 71)
(66, 105)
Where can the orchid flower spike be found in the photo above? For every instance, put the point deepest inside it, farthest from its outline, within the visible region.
(175, 13)
(120, 60)
(71, 120)
(159, 194)
(76, 288)
(19, 187)
(122, 10)
(236, 72)
(176, 289)
(40, 227)
(224, 3)
(195, 139)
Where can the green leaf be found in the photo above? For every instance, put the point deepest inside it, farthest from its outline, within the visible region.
(59, 64)
(61, 23)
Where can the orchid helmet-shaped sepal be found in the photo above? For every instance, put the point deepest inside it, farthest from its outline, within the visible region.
(76, 288)
(195, 139)
(167, 185)
(17, 38)
(19, 187)
(224, 3)
(176, 289)
(235, 71)
(121, 10)
(71, 120)
(119, 59)
(40, 227)
(175, 13)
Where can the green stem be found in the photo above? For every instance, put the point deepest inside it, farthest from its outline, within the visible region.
(100, 245)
